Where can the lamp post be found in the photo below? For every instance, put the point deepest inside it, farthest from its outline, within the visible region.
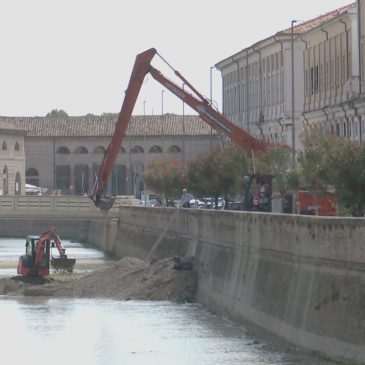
(211, 103)
(144, 107)
(183, 129)
(292, 93)
(162, 101)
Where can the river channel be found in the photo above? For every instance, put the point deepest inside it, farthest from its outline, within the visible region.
(38, 330)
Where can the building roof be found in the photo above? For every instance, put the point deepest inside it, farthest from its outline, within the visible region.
(300, 28)
(9, 128)
(101, 126)
(315, 22)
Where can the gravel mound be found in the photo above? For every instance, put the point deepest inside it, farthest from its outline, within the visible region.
(127, 279)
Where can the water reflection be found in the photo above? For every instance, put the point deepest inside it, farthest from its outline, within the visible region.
(37, 330)
(133, 332)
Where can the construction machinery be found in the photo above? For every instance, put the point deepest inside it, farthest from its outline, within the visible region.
(38, 258)
(196, 101)
(258, 198)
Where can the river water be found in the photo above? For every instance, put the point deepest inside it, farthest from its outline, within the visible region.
(38, 330)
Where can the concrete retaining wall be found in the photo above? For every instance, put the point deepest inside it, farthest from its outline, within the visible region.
(300, 277)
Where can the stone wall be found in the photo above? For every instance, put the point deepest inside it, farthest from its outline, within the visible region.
(300, 277)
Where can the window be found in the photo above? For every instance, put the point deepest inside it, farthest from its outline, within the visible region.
(63, 150)
(81, 150)
(137, 149)
(155, 149)
(99, 150)
(32, 176)
(17, 147)
(314, 81)
(174, 149)
(4, 147)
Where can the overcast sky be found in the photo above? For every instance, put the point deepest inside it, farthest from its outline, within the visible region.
(77, 55)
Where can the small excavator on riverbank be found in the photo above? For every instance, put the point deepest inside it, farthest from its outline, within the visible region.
(37, 259)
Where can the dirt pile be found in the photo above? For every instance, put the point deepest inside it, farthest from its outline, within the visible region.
(129, 278)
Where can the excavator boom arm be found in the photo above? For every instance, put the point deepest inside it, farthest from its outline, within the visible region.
(201, 105)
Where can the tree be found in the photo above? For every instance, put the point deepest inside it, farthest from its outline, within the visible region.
(166, 177)
(275, 161)
(54, 113)
(220, 173)
(328, 161)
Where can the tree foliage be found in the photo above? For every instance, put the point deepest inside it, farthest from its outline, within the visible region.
(55, 113)
(329, 161)
(166, 177)
(275, 162)
(220, 173)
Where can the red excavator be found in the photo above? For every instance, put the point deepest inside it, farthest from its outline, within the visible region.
(260, 200)
(198, 102)
(37, 258)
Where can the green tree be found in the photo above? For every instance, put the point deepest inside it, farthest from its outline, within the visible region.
(275, 161)
(328, 161)
(220, 173)
(166, 177)
(54, 113)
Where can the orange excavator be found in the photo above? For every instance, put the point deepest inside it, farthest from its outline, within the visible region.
(37, 258)
(260, 200)
(196, 101)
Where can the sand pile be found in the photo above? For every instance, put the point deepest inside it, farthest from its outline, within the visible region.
(129, 278)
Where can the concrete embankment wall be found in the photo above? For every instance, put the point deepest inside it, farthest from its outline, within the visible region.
(300, 277)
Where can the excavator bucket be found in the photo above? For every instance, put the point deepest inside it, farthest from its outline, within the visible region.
(63, 264)
(105, 202)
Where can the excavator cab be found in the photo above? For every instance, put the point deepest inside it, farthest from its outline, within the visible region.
(37, 258)
(28, 264)
(258, 191)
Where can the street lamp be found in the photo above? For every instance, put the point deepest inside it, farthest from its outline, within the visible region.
(211, 103)
(162, 101)
(144, 107)
(183, 128)
(292, 92)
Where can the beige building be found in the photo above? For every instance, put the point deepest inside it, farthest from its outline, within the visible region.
(264, 95)
(12, 160)
(65, 153)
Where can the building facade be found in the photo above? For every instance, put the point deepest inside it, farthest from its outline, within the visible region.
(64, 154)
(12, 160)
(305, 77)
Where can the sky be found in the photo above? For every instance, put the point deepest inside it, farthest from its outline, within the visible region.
(77, 55)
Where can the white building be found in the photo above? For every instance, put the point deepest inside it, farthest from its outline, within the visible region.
(332, 74)
(265, 95)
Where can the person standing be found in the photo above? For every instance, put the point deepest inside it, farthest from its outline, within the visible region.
(185, 199)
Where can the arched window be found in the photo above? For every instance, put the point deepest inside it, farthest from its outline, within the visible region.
(81, 150)
(99, 150)
(32, 176)
(121, 150)
(63, 150)
(17, 187)
(5, 181)
(174, 149)
(137, 149)
(4, 147)
(155, 149)
(17, 146)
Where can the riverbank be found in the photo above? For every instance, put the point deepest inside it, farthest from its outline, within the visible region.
(127, 279)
